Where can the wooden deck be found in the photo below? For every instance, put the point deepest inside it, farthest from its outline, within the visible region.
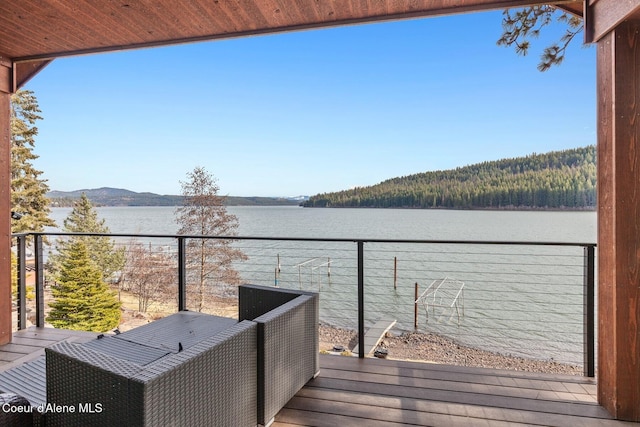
(378, 392)
(375, 392)
(30, 343)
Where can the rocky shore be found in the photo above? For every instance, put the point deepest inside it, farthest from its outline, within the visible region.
(422, 347)
(433, 348)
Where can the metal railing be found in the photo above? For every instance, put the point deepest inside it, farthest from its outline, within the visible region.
(541, 294)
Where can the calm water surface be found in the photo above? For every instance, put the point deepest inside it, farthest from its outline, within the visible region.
(520, 300)
(277, 221)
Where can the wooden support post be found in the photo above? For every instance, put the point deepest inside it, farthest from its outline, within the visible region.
(395, 272)
(6, 88)
(618, 87)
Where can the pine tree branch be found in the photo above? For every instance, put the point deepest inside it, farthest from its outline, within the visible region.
(521, 25)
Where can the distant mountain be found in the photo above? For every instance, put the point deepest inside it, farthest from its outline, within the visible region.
(556, 180)
(107, 196)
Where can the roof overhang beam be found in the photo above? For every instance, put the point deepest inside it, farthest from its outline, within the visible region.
(602, 16)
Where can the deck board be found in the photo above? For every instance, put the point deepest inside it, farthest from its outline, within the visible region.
(423, 412)
(28, 344)
(351, 391)
(527, 391)
(384, 392)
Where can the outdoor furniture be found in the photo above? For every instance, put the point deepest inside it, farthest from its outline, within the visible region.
(207, 382)
(288, 348)
(191, 368)
(10, 416)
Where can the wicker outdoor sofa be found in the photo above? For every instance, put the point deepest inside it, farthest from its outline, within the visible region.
(190, 369)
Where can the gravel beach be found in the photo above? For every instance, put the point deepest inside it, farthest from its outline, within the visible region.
(421, 347)
(433, 348)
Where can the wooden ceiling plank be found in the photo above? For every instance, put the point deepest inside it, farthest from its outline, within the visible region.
(192, 19)
(121, 24)
(114, 24)
(66, 29)
(256, 16)
(218, 19)
(314, 9)
(167, 26)
(287, 11)
(56, 28)
(276, 13)
(17, 38)
(22, 32)
(228, 20)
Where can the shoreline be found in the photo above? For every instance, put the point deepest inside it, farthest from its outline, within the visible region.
(410, 346)
(432, 348)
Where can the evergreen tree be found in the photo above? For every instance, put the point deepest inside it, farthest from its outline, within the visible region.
(521, 26)
(557, 180)
(209, 261)
(83, 301)
(28, 190)
(102, 251)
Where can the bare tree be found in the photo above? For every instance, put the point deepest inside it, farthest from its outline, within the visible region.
(149, 274)
(210, 262)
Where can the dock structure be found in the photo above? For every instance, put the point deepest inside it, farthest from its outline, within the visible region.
(446, 294)
(375, 334)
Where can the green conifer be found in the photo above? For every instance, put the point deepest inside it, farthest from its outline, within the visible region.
(102, 251)
(83, 301)
(28, 189)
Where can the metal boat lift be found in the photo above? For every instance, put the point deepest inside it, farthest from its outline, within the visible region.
(446, 294)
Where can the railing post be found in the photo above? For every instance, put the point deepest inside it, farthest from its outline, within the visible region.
(361, 299)
(39, 266)
(589, 311)
(415, 306)
(182, 274)
(22, 282)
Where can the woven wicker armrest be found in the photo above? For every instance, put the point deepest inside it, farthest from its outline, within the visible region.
(10, 416)
(80, 379)
(256, 300)
(288, 352)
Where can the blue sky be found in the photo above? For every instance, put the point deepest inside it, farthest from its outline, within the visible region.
(309, 112)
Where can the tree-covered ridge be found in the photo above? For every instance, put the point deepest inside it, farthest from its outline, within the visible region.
(107, 196)
(556, 180)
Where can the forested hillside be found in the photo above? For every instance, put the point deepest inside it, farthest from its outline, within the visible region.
(107, 196)
(557, 180)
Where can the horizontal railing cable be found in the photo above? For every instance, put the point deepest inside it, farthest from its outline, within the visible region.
(524, 299)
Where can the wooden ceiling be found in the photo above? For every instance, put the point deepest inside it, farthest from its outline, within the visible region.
(32, 32)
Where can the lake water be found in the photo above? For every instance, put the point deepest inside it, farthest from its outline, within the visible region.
(521, 300)
(288, 221)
